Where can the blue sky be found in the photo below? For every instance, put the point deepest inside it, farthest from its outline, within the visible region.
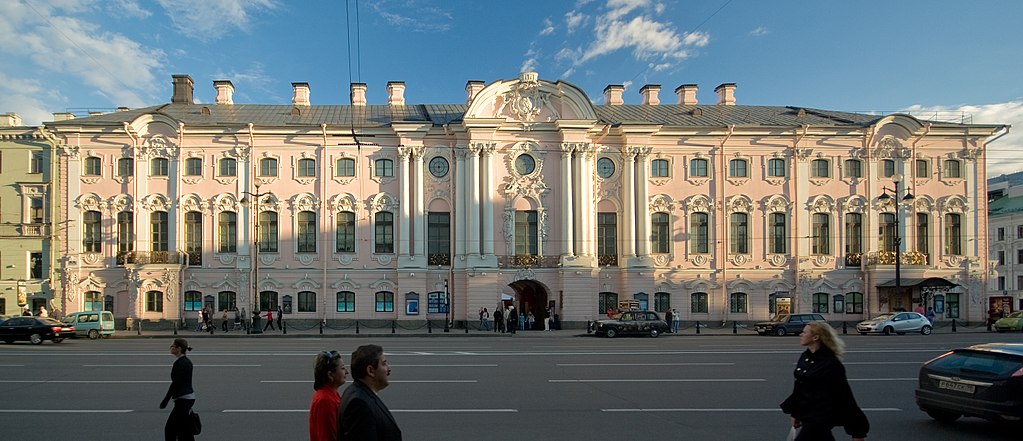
(945, 57)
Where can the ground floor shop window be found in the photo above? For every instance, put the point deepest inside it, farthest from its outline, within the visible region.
(737, 303)
(154, 301)
(952, 305)
(854, 303)
(606, 301)
(662, 301)
(346, 301)
(699, 302)
(306, 301)
(384, 301)
(820, 303)
(436, 303)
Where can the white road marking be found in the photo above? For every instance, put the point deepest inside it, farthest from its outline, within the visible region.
(847, 363)
(885, 379)
(642, 364)
(67, 411)
(165, 365)
(86, 381)
(265, 411)
(444, 365)
(664, 380)
(392, 410)
(874, 409)
(12, 365)
(391, 381)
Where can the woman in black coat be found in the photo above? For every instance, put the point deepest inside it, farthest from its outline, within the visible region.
(822, 398)
(179, 424)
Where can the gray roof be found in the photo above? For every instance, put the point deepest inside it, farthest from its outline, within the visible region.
(439, 114)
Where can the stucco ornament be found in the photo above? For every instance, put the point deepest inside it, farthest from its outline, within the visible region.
(155, 202)
(89, 202)
(525, 100)
(891, 147)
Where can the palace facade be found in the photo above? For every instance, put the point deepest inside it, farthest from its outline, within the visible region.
(527, 193)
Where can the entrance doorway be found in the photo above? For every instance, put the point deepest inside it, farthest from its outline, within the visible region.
(531, 296)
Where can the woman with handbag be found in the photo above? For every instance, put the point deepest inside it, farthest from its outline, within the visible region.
(179, 424)
(822, 398)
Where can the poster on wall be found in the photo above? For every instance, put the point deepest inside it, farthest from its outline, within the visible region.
(411, 307)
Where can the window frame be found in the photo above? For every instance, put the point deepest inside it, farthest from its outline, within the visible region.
(383, 168)
(344, 232)
(306, 232)
(660, 230)
(821, 302)
(777, 239)
(383, 301)
(125, 167)
(306, 168)
(699, 168)
(227, 167)
(738, 168)
(306, 301)
(154, 301)
(699, 232)
(738, 233)
(738, 303)
(159, 167)
(193, 167)
(383, 232)
(269, 167)
(776, 168)
(849, 169)
(344, 168)
(227, 232)
(820, 168)
(345, 301)
(698, 303)
(820, 234)
(660, 168)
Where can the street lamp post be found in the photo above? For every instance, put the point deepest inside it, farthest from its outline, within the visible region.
(898, 234)
(255, 329)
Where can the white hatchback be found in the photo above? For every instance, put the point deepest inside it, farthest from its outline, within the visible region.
(895, 323)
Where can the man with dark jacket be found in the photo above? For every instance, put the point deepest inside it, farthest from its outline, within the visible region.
(363, 415)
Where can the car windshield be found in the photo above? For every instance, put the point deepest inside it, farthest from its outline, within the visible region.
(49, 321)
(978, 364)
(1017, 314)
(780, 318)
(68, 319)
(883, 317)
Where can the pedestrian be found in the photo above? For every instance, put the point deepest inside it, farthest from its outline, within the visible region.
(280, 318)
(42, 312)
(223, 324)
(26, 313)
(930, 315)
(498, 320)
(209, 320)
(485, 320)
(513, 319)
(676, 321)
(522, 321)
(364, 416)
(329, 373)
(269, 319)
(179, 424)
(821, 398)
(547, 319)
(530, 318)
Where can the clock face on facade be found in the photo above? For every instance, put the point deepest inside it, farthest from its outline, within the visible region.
(439, 167)
(525, 164)
(605, 167)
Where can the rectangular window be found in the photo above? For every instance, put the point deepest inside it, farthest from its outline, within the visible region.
(739, 229)
(345, 232)
(952, 305)
(35, 265)
(1001, 283)
(346, 301)
(699, 231)
(923, 234)
(306, 301)
(383, 232)
(952, 169)
(662, 302)
(193, 300)
(776, 168)
(35, 163)
(1019, 282)
(820, 303)
(307, 168)
(660, 233)
(699, 303)
(438, 238)
(228, 226)
(777, 239)
(160, 231)
(888, 168)
(853, 168)
(384, 302)
(854, 303)
(606, 301)
(737, 303)
(886, 232)
(738, 168)
(1001, 233)
(267, 233)
(228, 167)
(1019, 259)
(345, 167)
(268, 167)
(526, 237)
(923, 170)
(820, 168)
(821, 234)
(1019, 231)
(154, 301)
(159, 167)
(698, 168)
(193, 167)
(193, 237)
(125, 167)
(125, 232)
(227, 300)
(93, 166)
(607, 238)
(659, 168)
(92, 240)
(307, 232)
(384, 168)
(36, 211)
(1001, 257)
(953, 235)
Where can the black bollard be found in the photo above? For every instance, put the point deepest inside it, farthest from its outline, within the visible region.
(953, 325)
(429, 327)
(356, 326)
(697, 326)
(844, 330)
(175, 325)
(466, 327)
(394, 325)
(735, 327)
(588, 330)
(321, 327)
(140, 327)
(284, 327)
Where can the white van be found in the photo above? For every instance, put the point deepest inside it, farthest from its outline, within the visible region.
(91, 323)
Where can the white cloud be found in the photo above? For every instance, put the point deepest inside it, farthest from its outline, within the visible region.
(548, 27)
(759, 31)
(251, 82)
(647, 38)
(574, 19)
(26, 98)
(620, 8)
(129, 9)
(210, 19)
(1003, 155)
(417, 15)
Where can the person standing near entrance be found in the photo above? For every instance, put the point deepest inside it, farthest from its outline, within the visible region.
(485, 320)
(269, 320)
(280, 318)
(179, 425)
(513, 319)
(498, 320)
(676, 321)
(364, 416)
(821, 398)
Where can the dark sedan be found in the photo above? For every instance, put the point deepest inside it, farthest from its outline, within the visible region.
(35, 330)
(631, 322)
(984, 381)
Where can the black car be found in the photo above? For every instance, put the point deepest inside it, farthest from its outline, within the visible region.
(35, 330)
(631, 322)
(787, 324)
(984, 381)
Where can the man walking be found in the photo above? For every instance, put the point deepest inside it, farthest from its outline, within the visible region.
(363, 415)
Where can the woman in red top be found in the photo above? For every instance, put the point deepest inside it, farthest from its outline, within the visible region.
(329, 373)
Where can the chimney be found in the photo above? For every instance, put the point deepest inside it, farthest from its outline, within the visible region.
(65, 116)
(358, 94)
(225, 91)
(613, 94)
(183, 87)
(10, 119)
(122, 109)
(687, 94)
(472, 87)
(726, 94)
(649, 93)
(396, 93)
(300, 97)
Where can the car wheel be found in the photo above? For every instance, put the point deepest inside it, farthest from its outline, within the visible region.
(780, 331)
(888, 330)
(58, 340)
(611, 333)
(93, 334)
(926, 330)
(943, 415)
(654, 333)
(36, 339)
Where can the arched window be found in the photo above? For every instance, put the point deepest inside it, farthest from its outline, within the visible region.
(923, 235)
(93, 301)
(228, 226)
(699, 233)
(662, 301)
(92, 240)
(227, 300)
(193, 237)
(154, 301)
(306, 232)
(383, 232)
(125, 236)
(268, 232)
(193, 167)
(345, 301)
(93, 166)
(854, 303)
(776, 168)
(777, 239)
(738, 168)
(698, 168)
(605, 301)
(193, 300)
(737, 303)
(345, 167)
(820, 302)
(268, 300)
(660, 233)
(159, 167)
(384, 301)
(228, 167)
(268, 167)
(699, 303)
(306, 168)
(820, 168)
(383, 168)
(345, 232)
(821, 224)
(853, 236)
(739, 229)
(923, 169)
(527, 238)
(306, 301)
(660, 168)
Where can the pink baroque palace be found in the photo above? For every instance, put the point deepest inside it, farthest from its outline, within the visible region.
(527, 194)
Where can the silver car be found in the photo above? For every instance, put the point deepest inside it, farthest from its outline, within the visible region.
(897, 323)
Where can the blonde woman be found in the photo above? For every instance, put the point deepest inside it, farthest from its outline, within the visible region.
(822, 398)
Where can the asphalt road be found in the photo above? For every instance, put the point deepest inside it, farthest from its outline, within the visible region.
(528, 387)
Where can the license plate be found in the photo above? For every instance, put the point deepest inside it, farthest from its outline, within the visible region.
(958, 387)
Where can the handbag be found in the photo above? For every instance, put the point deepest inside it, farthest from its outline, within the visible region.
(793, 433)
(196, 423)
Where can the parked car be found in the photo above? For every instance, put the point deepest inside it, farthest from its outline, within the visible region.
(984, 381)
(94, 324)
(787, 324)
(631, 322)
(1011, 322)
(34, 329)
(895, 322)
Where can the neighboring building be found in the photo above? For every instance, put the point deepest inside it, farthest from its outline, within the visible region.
(1005, 217)
(527, 192)
(26, 219)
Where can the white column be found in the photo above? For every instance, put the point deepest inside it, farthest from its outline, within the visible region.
(459, 204)
(567, 192)
(642, 203)
(420, 216)
(587, 202)
(473, 198)
(488, 198)
(628, 239)
(403, 222)
(578, 239)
